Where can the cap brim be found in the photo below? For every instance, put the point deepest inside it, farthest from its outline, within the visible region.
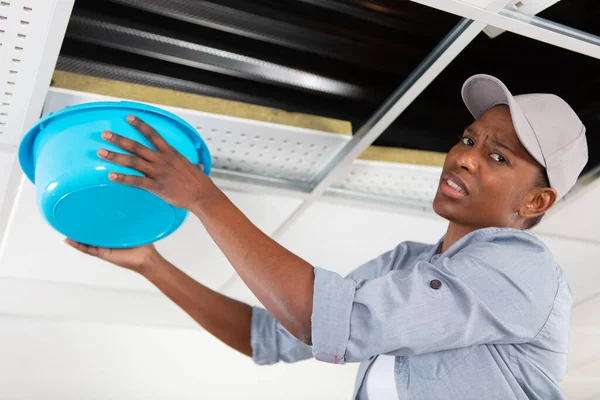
(482, 92)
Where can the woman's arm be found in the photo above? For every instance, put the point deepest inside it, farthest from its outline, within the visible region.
(227, 319)
(282, 281)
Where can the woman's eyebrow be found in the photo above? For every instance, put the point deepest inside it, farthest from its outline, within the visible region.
(469, 129)
(504, 146)
(472, 131)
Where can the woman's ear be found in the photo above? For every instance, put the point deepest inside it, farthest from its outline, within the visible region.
(539, 200)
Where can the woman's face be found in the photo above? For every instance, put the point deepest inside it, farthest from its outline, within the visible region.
(487, 175)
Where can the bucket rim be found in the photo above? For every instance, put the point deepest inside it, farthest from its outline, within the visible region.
(26, 146)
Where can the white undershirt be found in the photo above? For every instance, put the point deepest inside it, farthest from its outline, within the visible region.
(381, 382)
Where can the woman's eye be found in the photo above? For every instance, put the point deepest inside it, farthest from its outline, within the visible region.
(467, 141)
(499, 158)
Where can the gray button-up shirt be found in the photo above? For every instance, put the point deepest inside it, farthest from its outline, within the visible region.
(496, 328)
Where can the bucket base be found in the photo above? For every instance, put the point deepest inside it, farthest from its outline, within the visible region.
(115, 216)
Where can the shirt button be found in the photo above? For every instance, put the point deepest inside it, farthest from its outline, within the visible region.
(435, 284)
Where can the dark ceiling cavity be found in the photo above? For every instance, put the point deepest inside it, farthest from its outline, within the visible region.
(335, 58)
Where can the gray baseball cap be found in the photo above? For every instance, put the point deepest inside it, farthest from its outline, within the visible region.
(546, 126)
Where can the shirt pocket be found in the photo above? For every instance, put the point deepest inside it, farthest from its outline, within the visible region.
(437, 365)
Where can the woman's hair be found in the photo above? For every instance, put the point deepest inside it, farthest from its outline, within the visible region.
(541, 181)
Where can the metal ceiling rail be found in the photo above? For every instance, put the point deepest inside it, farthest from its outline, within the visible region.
(456, 41)
(240, 180)
(439, 58)
(430, 68)
(525, 25)
(354, 197)
(138, 41)
(253, 25)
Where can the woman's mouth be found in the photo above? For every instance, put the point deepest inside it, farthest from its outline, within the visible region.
(453, 187)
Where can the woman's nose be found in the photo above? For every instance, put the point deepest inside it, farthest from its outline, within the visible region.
(468, 161)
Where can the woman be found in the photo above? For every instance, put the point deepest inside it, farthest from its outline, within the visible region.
(483, 314)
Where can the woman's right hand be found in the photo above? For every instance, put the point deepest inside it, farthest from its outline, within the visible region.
(138, 259)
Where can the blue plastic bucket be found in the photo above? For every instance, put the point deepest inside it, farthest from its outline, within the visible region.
(74, 194)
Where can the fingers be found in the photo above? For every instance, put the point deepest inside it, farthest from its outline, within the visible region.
(149, 133)
(126, 160)
(132, 180)
(130, 146)
(91, 250)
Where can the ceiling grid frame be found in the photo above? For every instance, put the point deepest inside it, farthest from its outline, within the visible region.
(475, 20)
(439, 58)
(31, 34)
(524, 25)
(465, 10)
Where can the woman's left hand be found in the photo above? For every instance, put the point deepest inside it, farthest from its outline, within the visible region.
(168, 174)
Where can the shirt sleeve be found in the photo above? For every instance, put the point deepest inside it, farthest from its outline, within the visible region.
(499, 291)
(272, 343)
(397, 258)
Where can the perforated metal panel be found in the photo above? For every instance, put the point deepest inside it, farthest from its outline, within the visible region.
(16, 18)
(31, 32)
(288, 154)
(277, 152)
(244, 146)
(406, 183)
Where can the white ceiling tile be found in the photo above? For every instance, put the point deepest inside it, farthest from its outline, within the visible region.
(530, 7)
(586, 315)
(478, 3)
(584, 341)
(6, 163)
(341, 237)
(579, 260)
(83, 303)
(577, 388)
(192, 250)
(588, 369)
(267, 212)
(584, 347)
(577, 217)
(33, 250)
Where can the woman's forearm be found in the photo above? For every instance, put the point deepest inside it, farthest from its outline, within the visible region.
(227, 319)
(282, 281)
